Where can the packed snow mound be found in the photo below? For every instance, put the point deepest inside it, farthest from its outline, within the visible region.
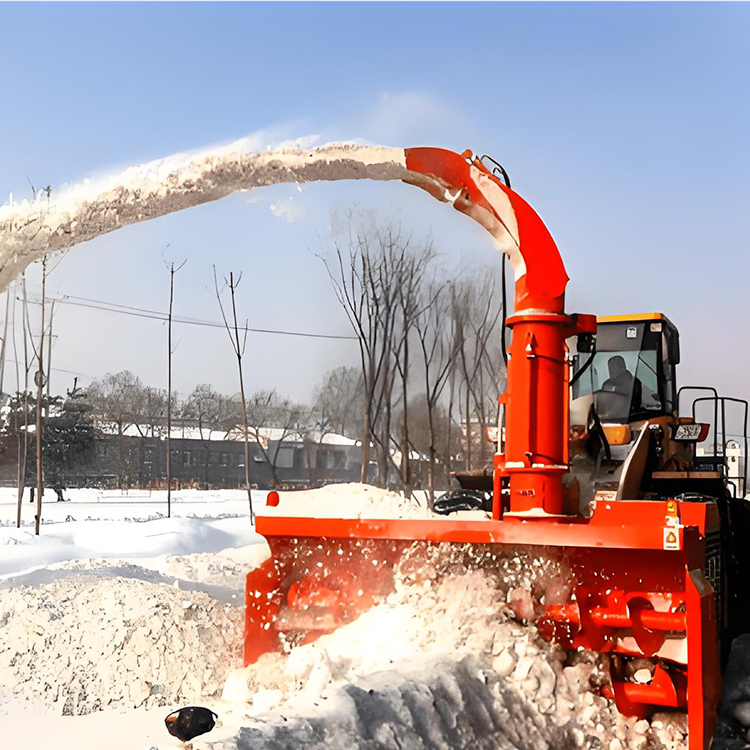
(446, 705)
(348, 500)
(82, 644)
(456, 704)
(442, 663)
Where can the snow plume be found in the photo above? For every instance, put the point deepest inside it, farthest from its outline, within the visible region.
(55, 221)
(288, 209)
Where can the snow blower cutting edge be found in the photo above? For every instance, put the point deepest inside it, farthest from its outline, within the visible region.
(597, 470)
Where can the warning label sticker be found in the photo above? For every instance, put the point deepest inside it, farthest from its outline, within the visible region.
(671, 538)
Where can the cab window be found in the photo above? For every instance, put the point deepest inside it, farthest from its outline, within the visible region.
(627, 375)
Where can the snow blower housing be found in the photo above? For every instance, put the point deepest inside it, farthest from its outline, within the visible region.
(597, 470)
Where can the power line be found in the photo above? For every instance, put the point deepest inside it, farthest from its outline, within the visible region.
(139, 312)
(60, 369)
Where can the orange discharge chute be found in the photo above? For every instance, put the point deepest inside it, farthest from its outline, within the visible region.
(516, 227)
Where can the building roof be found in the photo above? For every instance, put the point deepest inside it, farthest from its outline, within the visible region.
(265, 433)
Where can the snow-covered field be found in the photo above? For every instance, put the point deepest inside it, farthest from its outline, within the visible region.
(115, 616)
(123, 525)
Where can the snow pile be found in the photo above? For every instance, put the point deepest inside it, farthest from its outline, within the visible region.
(348, 500)
(447, 705)
(227, 568)
(82, 644)
(80, 213)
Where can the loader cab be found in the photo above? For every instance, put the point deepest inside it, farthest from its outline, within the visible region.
(632, 376)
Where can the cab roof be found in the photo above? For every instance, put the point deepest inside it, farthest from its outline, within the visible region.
(635, 318)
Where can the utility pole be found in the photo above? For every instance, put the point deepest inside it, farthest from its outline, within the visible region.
(169, 394)
(39, 382)
(172, 270)
(23, 446)
(49, 353)
(5, 339)
(21, 443)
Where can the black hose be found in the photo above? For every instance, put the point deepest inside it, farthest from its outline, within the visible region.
(577, 376)
(602, 435)
(497, 168)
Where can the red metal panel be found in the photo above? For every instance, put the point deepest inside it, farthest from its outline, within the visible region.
(614, 525)
(704, 678)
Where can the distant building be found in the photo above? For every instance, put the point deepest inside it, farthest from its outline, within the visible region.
(732, 456)
(736, 466)
(207, 459)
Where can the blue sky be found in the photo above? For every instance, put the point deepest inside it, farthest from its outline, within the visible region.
(625, 125)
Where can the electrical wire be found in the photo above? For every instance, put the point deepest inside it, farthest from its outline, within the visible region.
(60, 369)
(139, 312)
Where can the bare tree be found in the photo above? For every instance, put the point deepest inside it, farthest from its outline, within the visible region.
(170, 351)
(410, 298)
(211, 410)
(118, 398)
(371, 264)
(238, 346)
(39, 382)
(153, 411)
(336, 399)
(48, 376)
(434, 330)
(476, 312)
(267, 410)
(355, 282)
(421, 437)
(23, 436)
(5, 341)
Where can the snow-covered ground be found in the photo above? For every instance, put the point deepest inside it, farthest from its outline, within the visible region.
(115, 616)
(123, 525)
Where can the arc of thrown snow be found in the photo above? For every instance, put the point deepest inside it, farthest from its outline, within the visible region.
(31, 230)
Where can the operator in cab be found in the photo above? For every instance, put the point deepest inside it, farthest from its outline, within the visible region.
(624, 383)
(621, 380)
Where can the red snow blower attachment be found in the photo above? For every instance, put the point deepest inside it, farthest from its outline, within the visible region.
(596, 470)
